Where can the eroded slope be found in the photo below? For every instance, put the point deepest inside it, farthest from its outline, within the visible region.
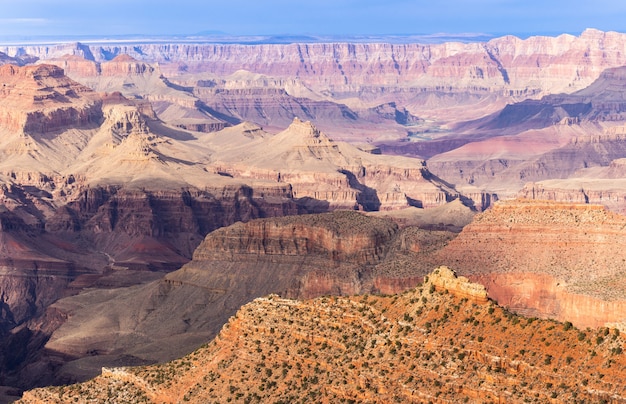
(443, 341)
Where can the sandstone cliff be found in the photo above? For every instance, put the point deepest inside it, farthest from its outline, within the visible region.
(423, 345)
(547, 259)
(536, 64)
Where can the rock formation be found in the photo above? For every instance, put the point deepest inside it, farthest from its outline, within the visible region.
(411, 99)
(339, 253)
(541, 64)
(322, 169)
(33, 98)
(329, 82)
(561, 136)
(140, 80)
(423, 345)
(547, 259)
(445, 279)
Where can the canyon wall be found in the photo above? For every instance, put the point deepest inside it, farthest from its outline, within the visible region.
(547, 259)
(338, 253)
(508, 64)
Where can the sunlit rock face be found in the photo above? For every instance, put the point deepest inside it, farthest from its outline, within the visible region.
(547, 259)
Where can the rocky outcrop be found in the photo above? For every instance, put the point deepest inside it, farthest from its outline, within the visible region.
(420, 346)
(41, 99)
(547, 259)
(445, 279)
(317, 167)
(339, 253)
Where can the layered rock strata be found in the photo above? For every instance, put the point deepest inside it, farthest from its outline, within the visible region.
(517, 66)
(339, 253)
(140, 80)
(32, 96)
(318, 167)
(547, 259)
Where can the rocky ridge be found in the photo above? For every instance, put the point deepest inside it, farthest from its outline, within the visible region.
(422, 345)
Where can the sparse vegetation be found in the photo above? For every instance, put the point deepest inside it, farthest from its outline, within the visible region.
(353, 349)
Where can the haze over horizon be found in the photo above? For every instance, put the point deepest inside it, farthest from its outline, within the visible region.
(38, 18)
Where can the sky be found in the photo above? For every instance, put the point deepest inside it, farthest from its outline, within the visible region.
(32, 18)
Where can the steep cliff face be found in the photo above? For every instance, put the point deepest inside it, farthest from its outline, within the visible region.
(556, 64)
(339, 253)
(344, 237)
(557, 260)
(433, 343)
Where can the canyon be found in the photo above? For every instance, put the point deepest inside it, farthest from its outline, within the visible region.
(99, 193)
(465, 108)
(337, 253)
(149, 191)
(573, 275)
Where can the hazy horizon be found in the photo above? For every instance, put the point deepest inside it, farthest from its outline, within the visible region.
(33, 19)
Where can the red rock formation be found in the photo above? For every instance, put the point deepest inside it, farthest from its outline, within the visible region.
(547, 259)
(41, 99)
(420, 346)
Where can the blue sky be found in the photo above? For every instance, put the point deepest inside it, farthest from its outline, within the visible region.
(322, 17)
